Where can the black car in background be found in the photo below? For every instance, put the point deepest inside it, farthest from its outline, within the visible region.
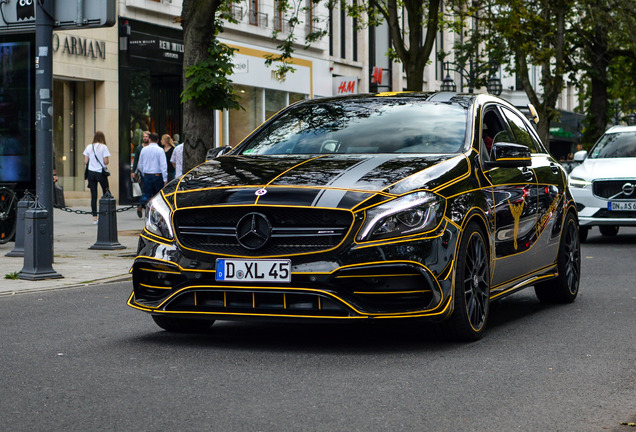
(410, 205)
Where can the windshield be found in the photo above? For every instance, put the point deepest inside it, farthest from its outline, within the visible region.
(615, 145)
(363, 127)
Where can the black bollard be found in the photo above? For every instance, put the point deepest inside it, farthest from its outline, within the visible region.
(107, 225)
(23, 205)
(38, 251)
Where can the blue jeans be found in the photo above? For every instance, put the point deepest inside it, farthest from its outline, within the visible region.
(152, 185)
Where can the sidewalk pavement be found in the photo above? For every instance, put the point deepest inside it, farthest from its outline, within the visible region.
(73, 235)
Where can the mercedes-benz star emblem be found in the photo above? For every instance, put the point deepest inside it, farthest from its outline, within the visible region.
(253, 231)
(628, 189)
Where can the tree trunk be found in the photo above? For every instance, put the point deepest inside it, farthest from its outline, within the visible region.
(599, 64)
(198, 122)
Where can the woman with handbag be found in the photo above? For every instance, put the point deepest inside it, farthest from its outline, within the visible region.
(96, 158)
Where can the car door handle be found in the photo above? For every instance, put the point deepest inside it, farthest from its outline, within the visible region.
(527, 174)
(554, 167)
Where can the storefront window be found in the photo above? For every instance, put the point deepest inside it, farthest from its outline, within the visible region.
(296, 97)
(68, 131)
(275, 100)
(242, 122)
(260, 104)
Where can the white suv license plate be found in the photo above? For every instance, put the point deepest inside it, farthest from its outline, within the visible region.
(260, 270)
(618, 206)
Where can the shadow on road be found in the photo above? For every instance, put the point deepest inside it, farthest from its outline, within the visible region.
(375, 337)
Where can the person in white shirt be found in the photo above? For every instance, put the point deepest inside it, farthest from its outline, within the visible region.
(96, 157)
(177, 160)
(154, 170)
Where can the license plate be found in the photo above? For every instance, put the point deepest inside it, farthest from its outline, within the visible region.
(261, 270)
(618, 206)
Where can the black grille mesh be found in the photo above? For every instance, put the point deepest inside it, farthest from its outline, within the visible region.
(612, 188)
(294, 230)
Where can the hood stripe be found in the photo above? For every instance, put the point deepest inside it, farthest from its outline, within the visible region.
(331, 198)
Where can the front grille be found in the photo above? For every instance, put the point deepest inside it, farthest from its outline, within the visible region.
(294, 230)
(257, 303)
(612, 189)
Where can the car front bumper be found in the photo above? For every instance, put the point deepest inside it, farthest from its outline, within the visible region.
(594, 211)
(389, 280)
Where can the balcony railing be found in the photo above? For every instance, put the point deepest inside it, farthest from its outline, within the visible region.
(237, 12)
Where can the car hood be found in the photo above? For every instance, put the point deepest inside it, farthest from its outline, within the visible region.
(329, 181)
(592, 169)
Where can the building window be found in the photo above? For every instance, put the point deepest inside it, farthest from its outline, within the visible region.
(309, 16)
(278, 16)
(343, 30)
(254, 12)
(355, 35)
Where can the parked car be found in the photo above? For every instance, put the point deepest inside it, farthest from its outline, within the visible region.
(413, 205)
(604, 184)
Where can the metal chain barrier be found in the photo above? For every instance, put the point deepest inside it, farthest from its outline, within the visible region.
(119, 210)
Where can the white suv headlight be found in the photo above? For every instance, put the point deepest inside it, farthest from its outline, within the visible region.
(410, 214)
(578, 183)
(158, 219)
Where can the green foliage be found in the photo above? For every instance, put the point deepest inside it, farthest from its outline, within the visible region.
(13, 275)
(207, 82)
(284, 58)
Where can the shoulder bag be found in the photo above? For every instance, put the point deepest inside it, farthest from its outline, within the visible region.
(104, 169)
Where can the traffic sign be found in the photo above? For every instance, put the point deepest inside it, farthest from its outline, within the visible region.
(19, 15)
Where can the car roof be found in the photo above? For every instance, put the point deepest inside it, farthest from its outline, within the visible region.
(461, 99)
(619, 129)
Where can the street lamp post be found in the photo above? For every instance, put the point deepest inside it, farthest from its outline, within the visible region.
(493, 86)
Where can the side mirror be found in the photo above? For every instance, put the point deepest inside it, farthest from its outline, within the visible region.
(216, 152)
(505, 154)
(580, 156)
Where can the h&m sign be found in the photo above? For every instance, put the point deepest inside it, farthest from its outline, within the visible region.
(345, 85)
(77, 46)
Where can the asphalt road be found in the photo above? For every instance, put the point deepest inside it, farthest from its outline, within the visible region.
(81, 360)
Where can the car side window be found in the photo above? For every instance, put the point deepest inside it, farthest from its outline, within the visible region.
(492, 130)
(520, 132)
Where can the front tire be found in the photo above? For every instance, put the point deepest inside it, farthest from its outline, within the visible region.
(472, 288)
(608, 230)
(565, 287)
(182, 325)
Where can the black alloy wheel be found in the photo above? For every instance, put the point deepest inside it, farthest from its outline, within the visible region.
(182, 325)
(565, 287)
(472, 287)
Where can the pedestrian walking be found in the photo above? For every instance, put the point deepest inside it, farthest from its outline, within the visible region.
(154, 170)
(168, 148)
(96, 157)
(145, 140)
(177, 160)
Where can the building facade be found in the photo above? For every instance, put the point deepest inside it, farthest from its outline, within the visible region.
(126, 79)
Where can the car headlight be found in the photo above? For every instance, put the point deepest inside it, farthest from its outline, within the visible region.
(578, 183)
(158, 219)
(410, 214)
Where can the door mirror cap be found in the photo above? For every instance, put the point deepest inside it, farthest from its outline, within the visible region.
(580, 155)
(505, 154)
(214, 153)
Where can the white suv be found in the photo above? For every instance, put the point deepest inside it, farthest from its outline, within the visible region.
(604, 184)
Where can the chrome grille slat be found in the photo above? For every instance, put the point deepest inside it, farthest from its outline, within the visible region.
(294, 231)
